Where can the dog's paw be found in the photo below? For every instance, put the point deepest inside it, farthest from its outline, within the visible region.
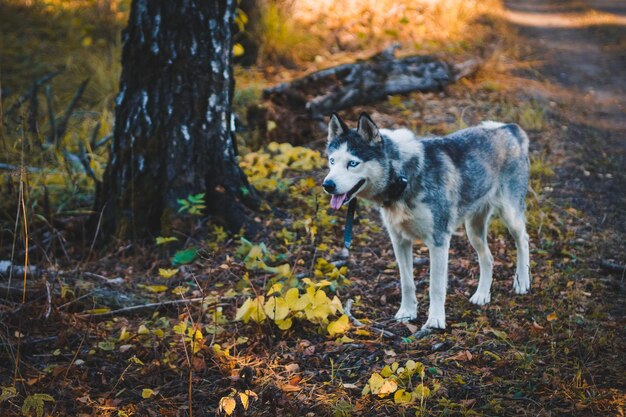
(480, 298)
(521, 284)
(435, 322)
(406, 314)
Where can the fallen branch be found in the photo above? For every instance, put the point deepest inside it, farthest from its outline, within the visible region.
(17, 168)
(140, 307)
(347, 311)
(62, 126)
(43, 80)
(368, 81)
(611, 266)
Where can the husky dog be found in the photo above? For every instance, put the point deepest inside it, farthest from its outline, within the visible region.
(427, 187)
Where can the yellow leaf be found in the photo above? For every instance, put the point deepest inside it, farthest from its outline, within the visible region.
(257, 314)
(276, 288)
(124, 335)
(402, 397)
(283, 270)
(244, 400)
(227, 405)
(552, 316)
(284, 324)
(344, 339)
(162, 240)
(339, 326)
(143, 330)
(386, 371)
(180, 290)
(276, 308)
(335, 306)
(147, 393)
(389, 386)
(156, 288)
(375, 382)
(320, 298)
(243, 312)
(238, 50)
(101, 310)
(294, 301)
(421, 391)
(255, 254)
(251, 309)
(167, 273)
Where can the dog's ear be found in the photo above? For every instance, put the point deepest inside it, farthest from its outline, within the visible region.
(368, 129)
(336, 127)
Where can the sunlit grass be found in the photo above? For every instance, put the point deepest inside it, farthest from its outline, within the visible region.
(367, 24)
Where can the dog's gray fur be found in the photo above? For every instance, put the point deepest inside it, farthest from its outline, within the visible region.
(461, 178)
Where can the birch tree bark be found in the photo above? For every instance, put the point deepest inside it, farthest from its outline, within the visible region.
(173, 133)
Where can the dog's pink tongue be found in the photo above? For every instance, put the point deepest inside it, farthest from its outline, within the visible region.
(337, 200)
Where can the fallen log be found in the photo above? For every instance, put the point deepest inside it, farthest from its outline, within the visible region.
(367, 81)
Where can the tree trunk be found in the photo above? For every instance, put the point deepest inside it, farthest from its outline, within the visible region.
(173, 132)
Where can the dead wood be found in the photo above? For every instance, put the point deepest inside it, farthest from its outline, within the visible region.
(367, 81)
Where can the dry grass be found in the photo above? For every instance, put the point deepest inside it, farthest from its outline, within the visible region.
(303, 30)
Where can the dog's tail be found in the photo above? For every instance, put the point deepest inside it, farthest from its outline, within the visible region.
(519, 134)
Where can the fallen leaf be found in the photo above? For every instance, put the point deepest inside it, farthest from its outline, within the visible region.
(339, 326)
(147, 393)
(552, 316)
(388, 387)
(292, 367)
(227, 405)
(290, 388)
(168, 273)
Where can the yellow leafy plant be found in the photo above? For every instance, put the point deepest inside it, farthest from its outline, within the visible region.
(264, 169)
(228, 404)
(398, 380)
(191, 334)
(282, 305)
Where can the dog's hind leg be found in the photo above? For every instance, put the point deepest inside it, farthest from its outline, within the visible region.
(403, 249)
(514, 220)
(438, 284)
(476, 227)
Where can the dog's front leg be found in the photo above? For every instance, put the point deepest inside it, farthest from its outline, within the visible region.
(438, 285)
(403, 249)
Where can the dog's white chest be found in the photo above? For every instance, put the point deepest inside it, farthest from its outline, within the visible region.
(410, 223)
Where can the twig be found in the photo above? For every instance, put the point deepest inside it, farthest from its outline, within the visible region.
(34, 110)
(68, 112)
(357, 323)
(115, 281)
(102, 142)
(611, 266)
(48, 301)
(347, 312)
(53, 123)
(16, 168)
(35, 86)
(148, 306)
(94, 136)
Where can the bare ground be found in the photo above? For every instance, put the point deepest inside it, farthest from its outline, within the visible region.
(579, 53)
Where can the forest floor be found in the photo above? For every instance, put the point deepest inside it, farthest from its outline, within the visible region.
(75, 348)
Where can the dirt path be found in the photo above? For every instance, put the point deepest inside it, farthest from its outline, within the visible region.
(578, 52)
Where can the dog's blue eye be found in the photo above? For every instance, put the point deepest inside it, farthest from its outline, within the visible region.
(331, 161)
(352, 164)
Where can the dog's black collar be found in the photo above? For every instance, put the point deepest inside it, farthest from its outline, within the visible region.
(347, 233)
(397, 184)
